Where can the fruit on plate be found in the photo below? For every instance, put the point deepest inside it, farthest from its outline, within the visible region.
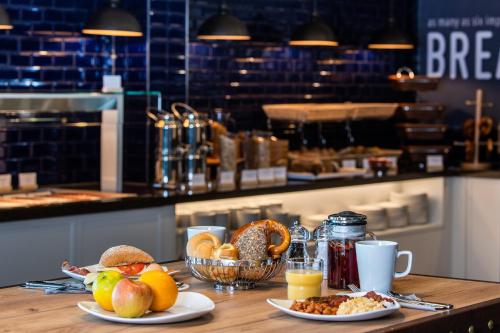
(164, 289)
(102, 288)
(131, 299)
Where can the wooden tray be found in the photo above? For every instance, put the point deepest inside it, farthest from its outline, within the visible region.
(314, 112)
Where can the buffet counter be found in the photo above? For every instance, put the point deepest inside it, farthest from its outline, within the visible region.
(80, 231)
(476, 308)
(146, 197)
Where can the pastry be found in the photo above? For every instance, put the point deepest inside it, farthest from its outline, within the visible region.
(202, 245)
(225, 274)
(226, 251)
(253, 240)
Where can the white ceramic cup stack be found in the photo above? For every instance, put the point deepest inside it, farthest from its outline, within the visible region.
(418, 207)
(397, 213)
(183, 217)
(246, 215)
(222, 217)
(203, 218)
(375, 216)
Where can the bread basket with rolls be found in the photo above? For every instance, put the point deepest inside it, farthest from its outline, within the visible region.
(249, 258)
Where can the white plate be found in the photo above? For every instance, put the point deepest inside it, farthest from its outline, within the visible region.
(93, 269)
(189, 305)
(284, 305)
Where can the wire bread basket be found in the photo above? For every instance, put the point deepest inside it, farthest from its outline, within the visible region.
(234, 274)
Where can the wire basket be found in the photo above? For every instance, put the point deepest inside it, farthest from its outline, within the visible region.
(234, 274)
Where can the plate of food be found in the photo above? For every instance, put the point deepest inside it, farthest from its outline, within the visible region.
(126, 259)
(345, 307)
(188, 305)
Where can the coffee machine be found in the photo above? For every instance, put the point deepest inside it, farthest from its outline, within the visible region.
(182, 150)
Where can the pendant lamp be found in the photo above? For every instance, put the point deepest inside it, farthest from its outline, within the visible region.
(314, 33)
(223, 26)
(113, 21)
(4, 19)
(391, 37)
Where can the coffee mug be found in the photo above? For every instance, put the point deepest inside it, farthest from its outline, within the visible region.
(220, 232)
(376, 264)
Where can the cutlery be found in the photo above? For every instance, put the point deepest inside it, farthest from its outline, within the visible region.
(406, 302)
(56, 287)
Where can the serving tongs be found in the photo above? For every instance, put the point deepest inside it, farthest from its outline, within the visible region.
(49, 287)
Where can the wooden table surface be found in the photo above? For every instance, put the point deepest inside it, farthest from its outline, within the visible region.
(30, 310)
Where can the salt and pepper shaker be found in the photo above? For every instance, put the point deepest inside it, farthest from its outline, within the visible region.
(320, 235)
(298, 243)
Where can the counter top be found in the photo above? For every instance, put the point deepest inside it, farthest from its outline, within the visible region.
(148, 197)
(476, 303)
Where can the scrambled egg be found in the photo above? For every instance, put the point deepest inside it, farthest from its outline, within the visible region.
(359, 305)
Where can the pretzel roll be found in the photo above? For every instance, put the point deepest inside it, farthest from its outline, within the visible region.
(249, 243)
(202, 245)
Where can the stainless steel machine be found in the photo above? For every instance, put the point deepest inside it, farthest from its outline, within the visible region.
(182, 149)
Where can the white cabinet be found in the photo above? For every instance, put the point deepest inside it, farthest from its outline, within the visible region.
(482, 205)
(34, 249)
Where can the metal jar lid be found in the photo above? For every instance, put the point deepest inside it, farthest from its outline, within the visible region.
(346, 218)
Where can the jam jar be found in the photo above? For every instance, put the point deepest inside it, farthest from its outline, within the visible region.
(344, 230)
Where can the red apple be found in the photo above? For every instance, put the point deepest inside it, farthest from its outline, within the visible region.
(131, 299)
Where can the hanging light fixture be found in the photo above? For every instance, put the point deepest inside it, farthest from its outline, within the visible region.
(223, 26)
(314, 33)
(113, 21)
(391, 37)
(4, 19)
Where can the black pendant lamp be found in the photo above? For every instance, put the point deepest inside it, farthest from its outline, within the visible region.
(391, 37)
(113, 21)
(314, 33)
(223, 26)
(4, 19)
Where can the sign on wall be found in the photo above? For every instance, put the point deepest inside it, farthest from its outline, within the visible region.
(459, 41)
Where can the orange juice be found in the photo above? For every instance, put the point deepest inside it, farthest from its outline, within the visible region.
(303, 283)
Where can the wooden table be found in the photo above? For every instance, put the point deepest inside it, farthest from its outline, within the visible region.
(476, 304)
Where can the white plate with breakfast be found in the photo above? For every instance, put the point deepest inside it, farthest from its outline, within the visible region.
(345, 307)
(128, 260)
(189, 305)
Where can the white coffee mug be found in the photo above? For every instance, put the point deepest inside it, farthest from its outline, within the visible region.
(220, 232)
(376, 264)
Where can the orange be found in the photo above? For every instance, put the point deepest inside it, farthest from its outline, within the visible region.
(103, 286)
(164, 289)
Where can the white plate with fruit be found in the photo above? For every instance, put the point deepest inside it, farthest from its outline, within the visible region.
(150, 298)
(189, 305)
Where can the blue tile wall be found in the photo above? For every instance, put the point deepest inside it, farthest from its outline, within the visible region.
(46, 52)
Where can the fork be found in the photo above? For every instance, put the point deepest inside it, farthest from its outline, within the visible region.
(408, 303)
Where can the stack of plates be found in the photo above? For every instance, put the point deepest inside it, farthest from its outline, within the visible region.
(418, 210)
(375, 216)
(397, 213)
(311, 222)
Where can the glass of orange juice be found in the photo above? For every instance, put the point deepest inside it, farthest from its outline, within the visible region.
(304, 277)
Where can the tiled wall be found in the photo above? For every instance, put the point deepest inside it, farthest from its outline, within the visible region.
(239, 77)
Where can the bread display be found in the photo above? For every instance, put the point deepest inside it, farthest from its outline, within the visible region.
(225, 274)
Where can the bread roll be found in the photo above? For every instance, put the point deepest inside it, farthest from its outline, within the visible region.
(226, 251)
(202, 245)
(225, 274)
(124, 255)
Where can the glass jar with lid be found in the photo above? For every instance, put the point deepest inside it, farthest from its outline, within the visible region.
(344, 230)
